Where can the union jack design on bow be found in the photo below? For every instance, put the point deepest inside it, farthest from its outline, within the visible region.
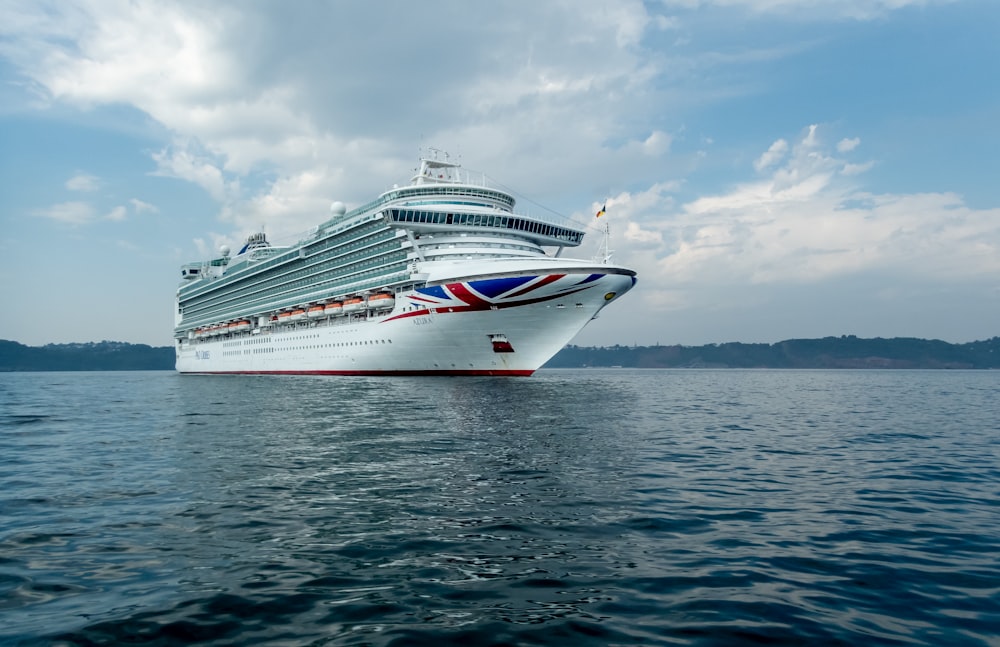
(494, 294)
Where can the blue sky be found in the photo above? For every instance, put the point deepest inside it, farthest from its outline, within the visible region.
(772, 168)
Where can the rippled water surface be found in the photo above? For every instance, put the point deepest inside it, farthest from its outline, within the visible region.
(570, 508)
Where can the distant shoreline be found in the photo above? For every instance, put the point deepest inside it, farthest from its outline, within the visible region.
(88, 356)
(847, 351)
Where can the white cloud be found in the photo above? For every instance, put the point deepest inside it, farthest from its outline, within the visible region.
(857, 169)
(117, 214)
(83, 213)
(246, 92)
(775, 251)
(178, 162)
(771, 252)
(666, 23)
(211, 249)
(634, 233)
(803, 224)
(154, 55)
(138, 206)
(811, 10)
(278, 211)
(772, 155)
(71, 213)
(810, 140)
(656, 144)
(83, 182)
(846, 145)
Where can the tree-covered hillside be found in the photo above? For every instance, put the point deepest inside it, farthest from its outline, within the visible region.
(830, 352)
(90, 356)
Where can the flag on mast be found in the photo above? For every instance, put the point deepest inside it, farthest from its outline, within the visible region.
(601, 212)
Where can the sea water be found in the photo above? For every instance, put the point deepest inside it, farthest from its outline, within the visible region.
(575, 507)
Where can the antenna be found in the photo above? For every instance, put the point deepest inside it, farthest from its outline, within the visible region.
(604, 252)
(606, 245)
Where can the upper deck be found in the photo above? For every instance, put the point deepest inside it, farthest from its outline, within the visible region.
(441, 201)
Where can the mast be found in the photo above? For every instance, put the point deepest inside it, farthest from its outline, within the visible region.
(437, 171)
(604, 252)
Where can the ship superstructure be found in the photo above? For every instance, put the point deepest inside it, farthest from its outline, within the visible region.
(437, 277)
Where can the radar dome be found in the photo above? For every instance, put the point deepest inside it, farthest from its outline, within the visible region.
(224, 250)
(338, 208)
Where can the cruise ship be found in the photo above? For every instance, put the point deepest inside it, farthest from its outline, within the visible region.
(439, 277)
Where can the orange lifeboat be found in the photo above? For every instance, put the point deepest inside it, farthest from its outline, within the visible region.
(381, 301)
(297, 315)
(353, 304)
(284, 317)
(315, 311)
(334, 309)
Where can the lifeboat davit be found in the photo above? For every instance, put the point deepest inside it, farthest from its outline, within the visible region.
(381, 301)
(314, 312)
(334, 309)
(353, 304)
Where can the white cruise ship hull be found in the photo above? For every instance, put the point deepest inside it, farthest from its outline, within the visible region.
(504, 323)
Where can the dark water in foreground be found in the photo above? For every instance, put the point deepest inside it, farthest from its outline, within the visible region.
(571, 508)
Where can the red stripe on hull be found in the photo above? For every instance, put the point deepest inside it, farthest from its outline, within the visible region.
(495, 373)
(551, 278)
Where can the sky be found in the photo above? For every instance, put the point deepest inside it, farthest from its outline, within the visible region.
(772, 169)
